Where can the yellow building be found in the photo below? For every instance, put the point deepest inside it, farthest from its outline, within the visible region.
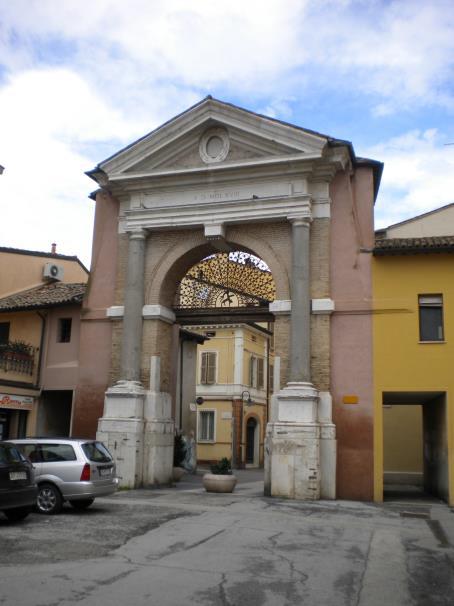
(234, 378)
(413, 275)
(40, 300)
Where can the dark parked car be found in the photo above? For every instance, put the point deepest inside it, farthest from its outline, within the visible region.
(17, 483)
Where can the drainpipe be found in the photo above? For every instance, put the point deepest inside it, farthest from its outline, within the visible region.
(267, 377)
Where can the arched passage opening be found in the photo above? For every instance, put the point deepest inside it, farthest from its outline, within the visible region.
(225, 362)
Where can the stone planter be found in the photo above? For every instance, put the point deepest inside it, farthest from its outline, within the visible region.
(177, 474)
(213, 482)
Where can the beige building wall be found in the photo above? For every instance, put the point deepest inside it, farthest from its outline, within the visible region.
(55, 365)
(438, 222)
(21, 271)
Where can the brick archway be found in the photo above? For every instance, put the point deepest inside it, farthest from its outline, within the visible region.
(177, 252)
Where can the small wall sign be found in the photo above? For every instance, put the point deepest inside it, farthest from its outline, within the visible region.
(350, 399)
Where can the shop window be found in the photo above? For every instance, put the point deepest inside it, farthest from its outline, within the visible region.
(4, 332)
(208, 367)
(64, 330)
(206, 425)
(431, 318)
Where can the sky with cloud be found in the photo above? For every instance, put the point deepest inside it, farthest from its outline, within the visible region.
(79, 80)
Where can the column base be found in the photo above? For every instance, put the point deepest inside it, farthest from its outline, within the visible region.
(294, 466)
(300, 450)
(297, 403)
(121, 428)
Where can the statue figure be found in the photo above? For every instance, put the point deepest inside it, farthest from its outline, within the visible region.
(190, 460)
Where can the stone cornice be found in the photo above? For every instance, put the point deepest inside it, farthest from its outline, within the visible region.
(224, 212)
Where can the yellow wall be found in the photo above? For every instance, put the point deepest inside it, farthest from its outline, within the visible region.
(401, 363)
(402, 440)
(252, 347)
(224, 345)
(223, 445)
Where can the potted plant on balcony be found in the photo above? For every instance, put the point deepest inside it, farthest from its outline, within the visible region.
(221, 478)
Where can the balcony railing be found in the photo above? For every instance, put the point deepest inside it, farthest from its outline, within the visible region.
(17, 357)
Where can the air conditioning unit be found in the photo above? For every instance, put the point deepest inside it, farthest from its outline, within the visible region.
(53, 272)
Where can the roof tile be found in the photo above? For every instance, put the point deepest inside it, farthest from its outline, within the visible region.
(45, 295)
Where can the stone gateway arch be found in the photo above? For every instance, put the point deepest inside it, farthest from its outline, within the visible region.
(218, 178)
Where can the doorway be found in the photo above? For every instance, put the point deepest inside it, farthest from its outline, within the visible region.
(252, 439)
(4, 424)
(415, 446)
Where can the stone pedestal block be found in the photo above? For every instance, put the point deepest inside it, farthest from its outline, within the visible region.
(295, 461)
(159, 434)
(121, 429)
(292, 444)
(328, 458)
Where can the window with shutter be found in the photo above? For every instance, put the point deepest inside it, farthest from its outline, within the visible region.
(271, 378)
(260, 373)
(208, 367)
(252, 371)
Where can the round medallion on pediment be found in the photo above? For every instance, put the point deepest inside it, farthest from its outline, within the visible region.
(214, 145)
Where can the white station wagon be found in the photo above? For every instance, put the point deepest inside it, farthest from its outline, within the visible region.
(69, 469)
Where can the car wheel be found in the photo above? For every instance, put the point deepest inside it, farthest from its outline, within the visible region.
(49, 500)
(81, 503)
(17, 514)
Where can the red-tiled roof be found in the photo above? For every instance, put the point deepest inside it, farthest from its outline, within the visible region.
(46, 295)
(406, 246)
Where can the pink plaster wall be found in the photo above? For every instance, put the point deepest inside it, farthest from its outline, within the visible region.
(96, 328)
(60, 366)
(351, 331)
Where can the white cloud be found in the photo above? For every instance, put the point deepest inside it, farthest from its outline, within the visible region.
(45, 116)
(418, 175)
(400, 51)
(79, 82)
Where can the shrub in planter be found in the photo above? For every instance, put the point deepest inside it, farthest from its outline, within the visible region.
(222, 467)
(221, 478)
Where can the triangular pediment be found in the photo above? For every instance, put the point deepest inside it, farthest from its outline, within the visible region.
(213, 134)
(187, 151)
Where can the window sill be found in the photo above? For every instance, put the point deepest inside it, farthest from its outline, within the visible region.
(206, 441)
(432, 342)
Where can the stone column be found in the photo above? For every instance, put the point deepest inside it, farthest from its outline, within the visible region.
(300, 322)
(122, 425)
(292, 444)
(131, 346)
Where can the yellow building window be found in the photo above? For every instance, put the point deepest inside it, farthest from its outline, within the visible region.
(431, 318)
(256, 372)
(208, 367)
(205, 426)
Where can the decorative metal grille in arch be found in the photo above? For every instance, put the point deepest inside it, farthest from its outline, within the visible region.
(235, 279)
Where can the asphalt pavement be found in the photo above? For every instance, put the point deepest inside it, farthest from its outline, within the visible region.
(180, 545)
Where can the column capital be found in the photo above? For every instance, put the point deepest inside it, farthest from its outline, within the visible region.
(300, 219)
(138, 234)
